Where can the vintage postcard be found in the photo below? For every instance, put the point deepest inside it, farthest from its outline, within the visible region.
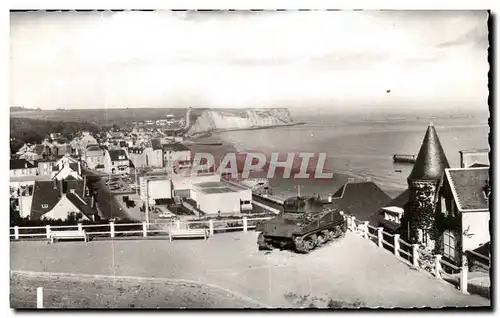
(249, 159)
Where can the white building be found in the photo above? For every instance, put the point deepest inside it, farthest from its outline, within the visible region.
(176, 156)
(158, 187)
(116, 162)
(221, 197)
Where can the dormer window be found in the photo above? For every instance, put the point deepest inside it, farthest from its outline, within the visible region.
(45, 206)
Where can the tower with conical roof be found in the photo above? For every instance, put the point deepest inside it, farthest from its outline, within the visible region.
(423, 183)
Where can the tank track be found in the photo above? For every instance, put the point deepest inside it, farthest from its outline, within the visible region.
(305, 243)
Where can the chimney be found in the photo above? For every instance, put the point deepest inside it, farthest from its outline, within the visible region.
(72, 191)
(61, 187)
(350, 180)
(368, 179)
(330, 198)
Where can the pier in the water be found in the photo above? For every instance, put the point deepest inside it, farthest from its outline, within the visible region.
(403, 158)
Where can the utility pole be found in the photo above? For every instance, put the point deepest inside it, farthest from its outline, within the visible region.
(136, 183)
(147, 202)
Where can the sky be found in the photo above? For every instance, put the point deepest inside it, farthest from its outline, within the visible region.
(334, 59)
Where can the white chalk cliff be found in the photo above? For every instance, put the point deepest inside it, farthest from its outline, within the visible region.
(221, 120)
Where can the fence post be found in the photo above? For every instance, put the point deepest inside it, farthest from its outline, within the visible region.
(39, 297)
(380, 236)
(366, 230)
(211, 226)
(80, 227)
(353, 223)
(437, 266)
(47, 229)
(396, 244)
(415, 254)
(144, 229)
(112, 228)
(16, 232)
(464, 275)
(245, 224)
(178, 224)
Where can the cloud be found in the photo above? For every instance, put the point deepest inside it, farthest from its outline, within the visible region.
(243, 58)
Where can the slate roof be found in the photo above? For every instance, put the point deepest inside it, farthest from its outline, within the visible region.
(81, 205)
(361, 199)
(175, 147)
(48, 193)
(116, 153)
(483, 249)
(467, 186)
(156, 144)
(20, 164)
(45, 193)
(431, 160)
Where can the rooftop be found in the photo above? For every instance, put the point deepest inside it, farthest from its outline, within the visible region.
(431, 160)
(175, 147)
(361, 199)
(117, 154)
(475, 151)
(468, 187)
(20, 164)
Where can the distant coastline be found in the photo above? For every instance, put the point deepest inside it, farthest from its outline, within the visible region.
(209, 133)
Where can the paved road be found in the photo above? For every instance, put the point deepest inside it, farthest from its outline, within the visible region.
(350, 272)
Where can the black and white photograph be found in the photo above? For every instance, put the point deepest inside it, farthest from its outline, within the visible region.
(249, 159)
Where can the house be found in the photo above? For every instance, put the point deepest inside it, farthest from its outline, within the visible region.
(71, 170)
(21, 167)
(176, 156)
(114, 134)
(137, 156)
(154, 154)
(116, 162)
(444, 209)
(21, 194)
(94, 156)
(360, 199)
(390, 215)
(463, 207)
(474, 158)
(45, 167)
(60, 200)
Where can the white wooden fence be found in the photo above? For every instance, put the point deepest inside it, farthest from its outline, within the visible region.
(409, 253)
(111, 229)
(412, 254)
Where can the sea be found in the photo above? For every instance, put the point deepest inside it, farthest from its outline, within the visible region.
(359, 148)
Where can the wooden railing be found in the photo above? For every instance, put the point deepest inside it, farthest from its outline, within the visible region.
(143, 229)
(412, 254)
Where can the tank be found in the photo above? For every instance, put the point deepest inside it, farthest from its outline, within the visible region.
(305, 224)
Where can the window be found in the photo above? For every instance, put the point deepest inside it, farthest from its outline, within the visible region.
(45, 206)
(444, 210)
(449, 245)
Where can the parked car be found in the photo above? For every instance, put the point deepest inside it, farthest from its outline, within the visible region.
(164, 213)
